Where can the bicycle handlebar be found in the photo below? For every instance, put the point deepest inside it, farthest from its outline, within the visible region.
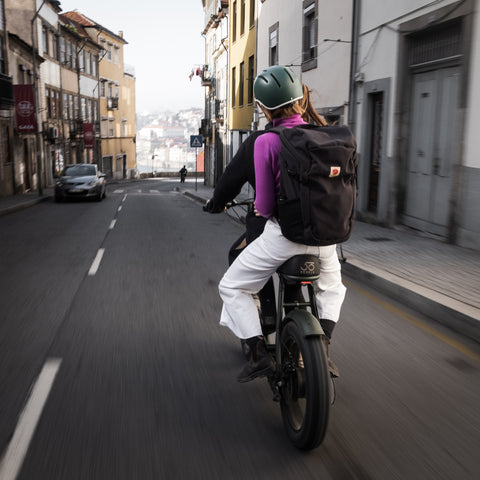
(234, 203)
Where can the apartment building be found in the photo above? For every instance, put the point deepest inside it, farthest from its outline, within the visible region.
(416, 116)
(313, 37)
(214, 77)
(116, 93)
(242, 69)
(78, 56)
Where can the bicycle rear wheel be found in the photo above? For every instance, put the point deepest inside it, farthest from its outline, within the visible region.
(305, 397)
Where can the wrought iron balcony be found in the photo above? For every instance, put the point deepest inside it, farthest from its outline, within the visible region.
(112, 103)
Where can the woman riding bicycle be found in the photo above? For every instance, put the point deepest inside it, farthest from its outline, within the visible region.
(279, 93)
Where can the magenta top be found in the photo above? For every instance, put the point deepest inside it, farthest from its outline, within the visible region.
(267, 166)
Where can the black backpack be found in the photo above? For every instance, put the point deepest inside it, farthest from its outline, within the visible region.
(318, 183)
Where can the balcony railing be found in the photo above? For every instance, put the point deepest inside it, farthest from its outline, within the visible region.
(112, 103)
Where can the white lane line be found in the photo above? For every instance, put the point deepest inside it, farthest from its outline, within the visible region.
(154, 191)
(118, 191)
(112, 224)
(17, 449)
(96, 263)
(125, 197)
(119, 208)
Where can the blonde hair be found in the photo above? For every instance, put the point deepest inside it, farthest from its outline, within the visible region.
(301, 107)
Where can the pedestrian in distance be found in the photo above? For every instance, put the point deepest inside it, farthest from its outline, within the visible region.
(282, 98)
(183, 174)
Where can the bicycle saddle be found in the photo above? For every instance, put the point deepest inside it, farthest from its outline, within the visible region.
(303, 268)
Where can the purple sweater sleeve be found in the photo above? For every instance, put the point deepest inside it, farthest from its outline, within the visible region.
(267, 173)
(267, 167)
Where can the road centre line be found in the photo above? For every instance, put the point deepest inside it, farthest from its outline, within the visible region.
(96, 263)
(17, 448)
(125, 197)
(119, 209)
(418, 323)
(112, 224)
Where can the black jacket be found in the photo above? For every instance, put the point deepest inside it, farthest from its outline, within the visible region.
(238, 172)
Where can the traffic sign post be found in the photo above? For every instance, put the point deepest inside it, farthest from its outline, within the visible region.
(196, 141)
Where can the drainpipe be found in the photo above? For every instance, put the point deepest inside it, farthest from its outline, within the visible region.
(352, 110)
(37, 101)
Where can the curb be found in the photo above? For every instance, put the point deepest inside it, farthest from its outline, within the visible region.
(461, 319)
(23, 205)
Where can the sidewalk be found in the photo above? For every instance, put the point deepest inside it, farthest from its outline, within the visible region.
(440, 280)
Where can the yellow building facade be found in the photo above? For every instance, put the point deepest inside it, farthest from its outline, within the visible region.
(116, 91)
(242, 64)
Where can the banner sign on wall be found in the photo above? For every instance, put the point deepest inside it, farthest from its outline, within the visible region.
(24, 108)
(88, 135)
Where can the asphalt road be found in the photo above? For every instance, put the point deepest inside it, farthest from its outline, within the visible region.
(138, 378)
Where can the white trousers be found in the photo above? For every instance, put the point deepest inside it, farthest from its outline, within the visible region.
(257, 263)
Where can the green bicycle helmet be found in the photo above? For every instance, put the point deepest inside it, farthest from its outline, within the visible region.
(276, 87)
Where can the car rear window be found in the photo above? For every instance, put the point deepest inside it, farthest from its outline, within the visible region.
(79, 170)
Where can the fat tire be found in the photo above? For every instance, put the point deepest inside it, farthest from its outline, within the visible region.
(305, 395)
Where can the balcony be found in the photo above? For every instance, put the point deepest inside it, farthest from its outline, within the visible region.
(112, 103)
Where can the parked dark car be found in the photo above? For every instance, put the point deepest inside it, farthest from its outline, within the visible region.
(82, 180)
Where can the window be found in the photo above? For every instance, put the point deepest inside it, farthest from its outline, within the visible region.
(94, 65)
(83, 104)
(65, 106)
(116, 54)
(71, 110)
(52, 97)
(103, 127)
(251, 78)
(55, 47)
(81, 61)
(102, 88)
(242, 17)
(234, 81)
(68, 55)
(273, 45)
(75, 107)
(310, 27)
(124, 127)
(241, 84)
(110, 126)
(110, 90)
(45, 40)
(88, 63)
(63, 58)
(95, 110)
(234, 22)
(252, 13)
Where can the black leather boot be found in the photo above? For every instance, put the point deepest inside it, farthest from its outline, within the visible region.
(260, 363)
(332, 368)
(328, 326)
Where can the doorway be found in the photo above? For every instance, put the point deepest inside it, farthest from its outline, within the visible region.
(431, 150)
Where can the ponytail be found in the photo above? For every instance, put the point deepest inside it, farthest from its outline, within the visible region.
(309, 113)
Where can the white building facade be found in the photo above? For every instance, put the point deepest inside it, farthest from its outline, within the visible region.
(416, 114)
(314, 38)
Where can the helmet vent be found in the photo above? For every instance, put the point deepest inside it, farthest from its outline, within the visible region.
(276, 81)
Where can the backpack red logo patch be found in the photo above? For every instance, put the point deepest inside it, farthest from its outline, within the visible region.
(334, 171)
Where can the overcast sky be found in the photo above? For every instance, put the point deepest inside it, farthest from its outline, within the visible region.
(164, 44)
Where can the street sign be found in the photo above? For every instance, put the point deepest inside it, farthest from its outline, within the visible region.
(196, 141)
